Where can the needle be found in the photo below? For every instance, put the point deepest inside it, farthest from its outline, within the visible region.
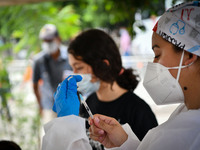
(82, 100)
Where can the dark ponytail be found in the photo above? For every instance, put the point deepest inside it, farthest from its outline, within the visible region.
(128, 80)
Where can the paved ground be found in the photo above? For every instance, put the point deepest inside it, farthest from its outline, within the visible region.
(24, 126)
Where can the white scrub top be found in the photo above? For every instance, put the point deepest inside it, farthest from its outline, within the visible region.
(180, 132)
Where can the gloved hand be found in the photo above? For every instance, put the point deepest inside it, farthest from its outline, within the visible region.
(66, 98)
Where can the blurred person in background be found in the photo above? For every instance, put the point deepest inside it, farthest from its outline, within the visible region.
(48, 69)
(94, 55)
(125, 42)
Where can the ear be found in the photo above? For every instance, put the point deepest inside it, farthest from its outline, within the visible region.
(189, 58)
(106, 61)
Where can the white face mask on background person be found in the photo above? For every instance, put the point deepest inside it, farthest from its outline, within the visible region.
(86, 87)
(161, 85)
(50, 47)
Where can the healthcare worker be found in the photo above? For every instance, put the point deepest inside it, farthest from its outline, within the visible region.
(173, 77)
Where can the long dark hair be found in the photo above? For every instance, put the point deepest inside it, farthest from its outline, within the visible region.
(94, 47)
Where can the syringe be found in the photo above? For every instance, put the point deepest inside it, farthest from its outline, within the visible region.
(82, 100)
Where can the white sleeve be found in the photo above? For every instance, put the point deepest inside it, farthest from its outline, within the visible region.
(131, 143)
(66, 133)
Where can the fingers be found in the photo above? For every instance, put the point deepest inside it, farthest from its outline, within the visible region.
(78, 78)
(95, 116)
(54, 108)
(107, 130)
(105, 123)
(97, 138)
(69, 81)
(62, 86)
(72, 82)
(66, 99)
(100, 126)
(108, 120)
(58, 88)
(96, 133)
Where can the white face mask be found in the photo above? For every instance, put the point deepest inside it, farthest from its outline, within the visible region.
(50, 47)
(86, 87)
(161, 85)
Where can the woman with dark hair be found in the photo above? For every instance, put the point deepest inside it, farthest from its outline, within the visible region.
(94, 53)
(98, 50)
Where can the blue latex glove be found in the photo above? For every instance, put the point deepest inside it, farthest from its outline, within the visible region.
(66, 99)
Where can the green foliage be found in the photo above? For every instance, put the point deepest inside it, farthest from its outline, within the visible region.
(67, 22)
(19, 118)
(114, 13)
(19, 29)
(5, 46)
(23, 22)
(4, 92)
(4, 80)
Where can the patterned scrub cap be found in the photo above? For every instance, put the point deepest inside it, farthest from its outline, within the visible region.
(48, 32)
(180, 25)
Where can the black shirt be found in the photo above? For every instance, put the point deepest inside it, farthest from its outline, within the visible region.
(128, 108)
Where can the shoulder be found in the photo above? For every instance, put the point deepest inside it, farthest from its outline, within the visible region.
(135, 100)
(39, 57)
(132, 95)
(187, 119)
(91, 98)
(186, 123)
(139, 107)
(92, 95)
(181, 132)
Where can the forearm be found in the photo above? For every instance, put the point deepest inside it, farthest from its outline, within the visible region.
(37, 93)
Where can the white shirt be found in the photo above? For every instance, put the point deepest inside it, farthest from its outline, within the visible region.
(180, 132)
(66, 133)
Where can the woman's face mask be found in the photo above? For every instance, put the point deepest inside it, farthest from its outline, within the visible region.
(50, 47)
(86, 87)
(161, 85)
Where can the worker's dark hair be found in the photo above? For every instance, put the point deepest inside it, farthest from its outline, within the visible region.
(97, 49)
